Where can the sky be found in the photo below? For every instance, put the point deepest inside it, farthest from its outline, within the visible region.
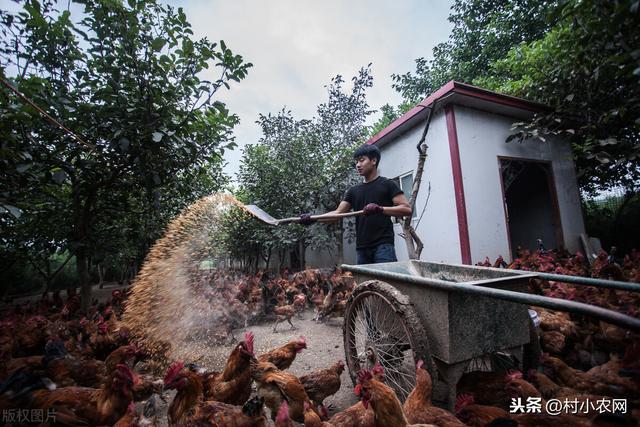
(297, 46)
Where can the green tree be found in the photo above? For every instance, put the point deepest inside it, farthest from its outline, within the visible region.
(587, 68)
(125, 76)
(305, 166)
(483, 32)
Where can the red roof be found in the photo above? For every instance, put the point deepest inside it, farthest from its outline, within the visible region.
(463, 89)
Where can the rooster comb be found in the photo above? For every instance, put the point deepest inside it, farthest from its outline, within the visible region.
(463, 400)
(420, 364)
(513, 374)
(302, 340)
(378, 370)
(173, 371)
(248, 339)
(283, 412)
(364, 375)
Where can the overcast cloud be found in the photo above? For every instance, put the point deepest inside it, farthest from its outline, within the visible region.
(297, 46)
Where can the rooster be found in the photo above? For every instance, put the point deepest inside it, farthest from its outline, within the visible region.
(323, 383)
(233, 385)
(418, 407)
(386, 406)
(284, 356)
(189, 393)
(82, 405)
(277, 386)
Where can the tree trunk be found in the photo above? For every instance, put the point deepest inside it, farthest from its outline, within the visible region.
(410, 235)
(82, 268)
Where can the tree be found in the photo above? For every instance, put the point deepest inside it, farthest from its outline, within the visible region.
(587, 68)
(483, 32)
(127, 78)
(306, 165)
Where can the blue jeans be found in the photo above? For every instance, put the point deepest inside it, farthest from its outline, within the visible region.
(384, 252)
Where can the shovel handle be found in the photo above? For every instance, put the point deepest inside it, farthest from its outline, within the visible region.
(317, 217)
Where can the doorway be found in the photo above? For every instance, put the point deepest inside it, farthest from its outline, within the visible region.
(531, 205)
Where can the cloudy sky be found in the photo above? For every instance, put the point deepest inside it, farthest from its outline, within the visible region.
(297, 46)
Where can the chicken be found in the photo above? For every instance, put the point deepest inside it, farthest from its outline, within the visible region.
(418, 407)
(487, 387)
(386, 406)
(602, 379)
(101, 341)
(146, 387)
(312, 419)
(67, 370)
(277, 386)
(323, 383)
(233, 385)
(553, 341)
(125, 354)
(354, 416)
(284, 312)
(476, 415)
(189, 393)
(224, 415)
(327, 306)
(543, 383)
(77, 405)
(284, 356)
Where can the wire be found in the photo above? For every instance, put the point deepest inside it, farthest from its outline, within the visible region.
(45, 114)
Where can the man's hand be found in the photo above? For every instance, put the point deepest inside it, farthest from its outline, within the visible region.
(305, 219)
(372, 209)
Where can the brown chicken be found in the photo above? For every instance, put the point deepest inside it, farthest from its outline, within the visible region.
(189, 393)
(476, 415)
(277, 386)
(284, 312)
(386, 406)
(233, 385)
(354, 416)
(418, 407)
(312, 419)
(323, 383)
(603, 379)
(284, 356)
(487, 387)
(78, 405)
(220, 414)
(67, 370)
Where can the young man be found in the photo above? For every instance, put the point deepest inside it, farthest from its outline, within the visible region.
(379, 198)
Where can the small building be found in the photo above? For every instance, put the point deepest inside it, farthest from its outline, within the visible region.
(481, 196)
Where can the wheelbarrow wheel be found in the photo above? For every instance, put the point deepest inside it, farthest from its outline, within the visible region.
(382, 326)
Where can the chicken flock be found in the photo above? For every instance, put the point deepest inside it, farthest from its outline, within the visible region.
(89, 370)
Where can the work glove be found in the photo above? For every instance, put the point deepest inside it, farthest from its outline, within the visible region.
(372, 209)
(305, 219)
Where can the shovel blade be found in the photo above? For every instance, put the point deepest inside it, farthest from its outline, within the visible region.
(260, 214)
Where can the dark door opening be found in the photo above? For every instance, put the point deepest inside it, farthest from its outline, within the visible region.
(531, 205)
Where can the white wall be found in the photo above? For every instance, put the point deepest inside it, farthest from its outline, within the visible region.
(481, 139)
(438, 228)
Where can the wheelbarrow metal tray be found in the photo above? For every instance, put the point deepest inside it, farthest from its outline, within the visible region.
(459, 326)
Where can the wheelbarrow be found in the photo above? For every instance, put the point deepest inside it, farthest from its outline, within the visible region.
(450, 316)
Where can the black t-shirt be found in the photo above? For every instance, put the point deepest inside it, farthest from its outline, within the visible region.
(373, 230)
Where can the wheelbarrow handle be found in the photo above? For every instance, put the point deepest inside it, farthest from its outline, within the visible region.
(318, 217)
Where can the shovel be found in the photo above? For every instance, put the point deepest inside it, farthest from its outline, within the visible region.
(268, 219)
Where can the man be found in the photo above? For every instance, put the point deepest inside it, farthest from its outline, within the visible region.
(379, 198)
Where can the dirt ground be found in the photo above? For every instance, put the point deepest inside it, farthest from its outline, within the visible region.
(324, 347)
